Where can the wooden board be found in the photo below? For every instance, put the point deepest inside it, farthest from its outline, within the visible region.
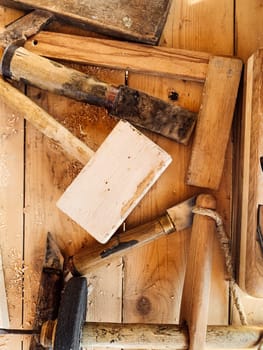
(248, 15)
(251, 261)
(11, 208)
(156, 271)
(214, 120)
(141, 21)
(114, 181)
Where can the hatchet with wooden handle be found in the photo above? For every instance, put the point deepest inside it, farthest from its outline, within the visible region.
(135, 106)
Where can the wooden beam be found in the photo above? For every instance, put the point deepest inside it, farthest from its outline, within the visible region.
(251, 260)
(137, 21)
(159, 61)
(196, 290)
(214, 122)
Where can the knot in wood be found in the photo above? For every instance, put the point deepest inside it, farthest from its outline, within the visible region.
(143, 305)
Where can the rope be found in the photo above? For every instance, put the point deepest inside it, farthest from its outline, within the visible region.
(225, 246)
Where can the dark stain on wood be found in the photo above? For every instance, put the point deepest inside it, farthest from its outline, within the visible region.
(143, 306)
(154, 114)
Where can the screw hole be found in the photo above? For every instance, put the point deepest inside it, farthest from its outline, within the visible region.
(173, 95)
(34, 42)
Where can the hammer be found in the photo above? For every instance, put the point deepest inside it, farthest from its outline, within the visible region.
(135, 106)
(70, 332)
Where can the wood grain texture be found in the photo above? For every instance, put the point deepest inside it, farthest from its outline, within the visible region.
(149, 336)
(11, 206)
(44, 122)
(200, 25)
(189, 65)
(197, 281)
(49, 172)
(140, 21)
(154, 274)
(248, 15)
(214, 123)
(251, 263)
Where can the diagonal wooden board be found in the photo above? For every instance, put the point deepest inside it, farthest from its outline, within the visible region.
(113, 182)
(141, 21)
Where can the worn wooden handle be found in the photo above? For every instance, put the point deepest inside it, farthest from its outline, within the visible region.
(44, 122)
(22, 65)
(196, 290)
(150, 336)
(89, 257)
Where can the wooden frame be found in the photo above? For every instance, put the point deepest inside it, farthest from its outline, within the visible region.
(220, 76)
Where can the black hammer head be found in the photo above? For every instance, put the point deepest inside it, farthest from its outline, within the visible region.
(71, 315)
(152, 113)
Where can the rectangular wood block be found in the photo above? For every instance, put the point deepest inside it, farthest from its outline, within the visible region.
(112, 183)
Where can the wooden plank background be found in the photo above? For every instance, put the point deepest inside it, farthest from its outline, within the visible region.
(146, 285)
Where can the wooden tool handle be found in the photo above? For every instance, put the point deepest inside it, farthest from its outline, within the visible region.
(22, 65)
(165, 337)
(44, 122)
(196, 290)
(89, 257)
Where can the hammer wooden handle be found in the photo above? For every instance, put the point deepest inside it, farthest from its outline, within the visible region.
(196, 290)
(44, 122)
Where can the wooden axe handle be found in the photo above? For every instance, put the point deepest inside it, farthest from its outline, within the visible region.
(44, 122)
(196, 290)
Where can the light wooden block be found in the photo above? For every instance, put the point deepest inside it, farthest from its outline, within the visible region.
(113, 182)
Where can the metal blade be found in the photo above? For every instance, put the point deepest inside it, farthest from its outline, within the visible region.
(24, 27)
(154, 114)
(181, 214)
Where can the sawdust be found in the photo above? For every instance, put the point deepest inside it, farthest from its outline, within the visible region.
(4, 171)
(10, 128)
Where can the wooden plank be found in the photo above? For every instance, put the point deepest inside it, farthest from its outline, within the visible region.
(251, 261)
(248, 15)
(49, 172)
(196, 289)
(200, 25)
(139, 21)
(121, 172)
(11, 207)
(214, 122)
(153, 275)
(161, 61)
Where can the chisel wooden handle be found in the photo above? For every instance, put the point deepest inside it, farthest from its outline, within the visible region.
(22, 65)
(44, 122)
(123, 102)
(89, 257)
(196, 290)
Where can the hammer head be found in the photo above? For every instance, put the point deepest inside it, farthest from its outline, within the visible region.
(24, 27)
